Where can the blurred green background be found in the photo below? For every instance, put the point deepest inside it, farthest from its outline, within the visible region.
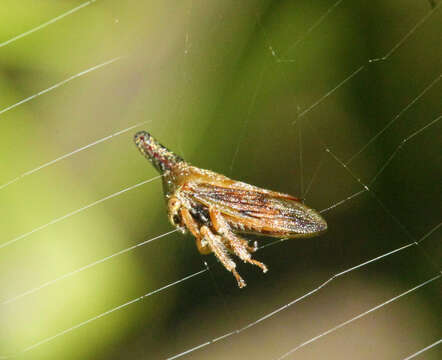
(226, 85)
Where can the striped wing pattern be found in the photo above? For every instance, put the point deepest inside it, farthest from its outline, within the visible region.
(258, 211)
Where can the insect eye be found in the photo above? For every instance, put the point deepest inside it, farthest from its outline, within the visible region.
(176, 219)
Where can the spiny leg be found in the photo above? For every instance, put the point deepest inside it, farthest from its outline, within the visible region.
(221, 253)
(237, 244)
(192, 225)
(246, 244)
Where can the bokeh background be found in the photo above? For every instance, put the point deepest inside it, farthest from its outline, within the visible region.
(229, 86)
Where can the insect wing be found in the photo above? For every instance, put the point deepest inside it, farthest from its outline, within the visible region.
(260, 212)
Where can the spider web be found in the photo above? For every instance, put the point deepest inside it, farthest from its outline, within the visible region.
(337, 102)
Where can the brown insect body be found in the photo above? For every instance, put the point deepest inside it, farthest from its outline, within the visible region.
(215, 208)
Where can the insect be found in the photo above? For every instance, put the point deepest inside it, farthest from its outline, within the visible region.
(216, 209)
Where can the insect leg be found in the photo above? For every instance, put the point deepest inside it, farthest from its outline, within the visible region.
(220, 251)
(237, 244)
(173, 207)
(192, 225)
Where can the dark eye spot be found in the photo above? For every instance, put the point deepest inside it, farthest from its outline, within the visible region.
(176, 219)
(173, 203)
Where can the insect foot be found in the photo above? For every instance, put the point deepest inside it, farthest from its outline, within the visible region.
(261, 265)
(239, 279)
